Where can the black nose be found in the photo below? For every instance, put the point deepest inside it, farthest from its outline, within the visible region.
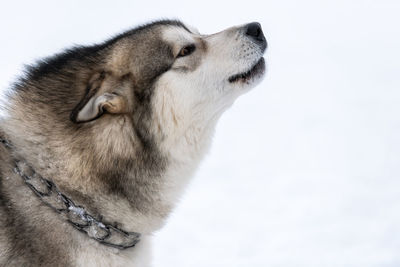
(253, 30)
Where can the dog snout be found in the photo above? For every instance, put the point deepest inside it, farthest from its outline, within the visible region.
(254, 32)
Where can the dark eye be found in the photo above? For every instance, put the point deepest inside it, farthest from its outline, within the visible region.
(187, 50)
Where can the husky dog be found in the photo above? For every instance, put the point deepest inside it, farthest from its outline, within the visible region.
(98, 142)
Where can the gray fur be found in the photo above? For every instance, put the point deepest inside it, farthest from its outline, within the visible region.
(110, 163)
(42, 104)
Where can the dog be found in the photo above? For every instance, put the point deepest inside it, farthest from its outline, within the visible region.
(98, 142)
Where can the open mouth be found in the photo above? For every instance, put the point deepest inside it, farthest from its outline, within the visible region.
(256, 70)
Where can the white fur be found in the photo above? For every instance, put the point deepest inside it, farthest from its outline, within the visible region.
(97, 255)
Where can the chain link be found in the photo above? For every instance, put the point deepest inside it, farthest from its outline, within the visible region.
(76, 215)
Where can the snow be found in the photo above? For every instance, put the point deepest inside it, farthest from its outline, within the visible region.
(304, 170)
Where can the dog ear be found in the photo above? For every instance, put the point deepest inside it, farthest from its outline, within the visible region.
(103, 95)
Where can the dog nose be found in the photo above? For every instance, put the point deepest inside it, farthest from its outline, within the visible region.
(253, 31)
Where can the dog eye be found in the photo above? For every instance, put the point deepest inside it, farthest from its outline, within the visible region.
(187, 50)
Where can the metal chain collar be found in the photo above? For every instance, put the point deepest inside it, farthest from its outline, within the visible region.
(74, 214)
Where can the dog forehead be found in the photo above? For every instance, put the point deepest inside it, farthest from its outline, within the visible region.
(178, 36)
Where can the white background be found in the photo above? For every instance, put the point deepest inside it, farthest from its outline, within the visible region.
(305, 169)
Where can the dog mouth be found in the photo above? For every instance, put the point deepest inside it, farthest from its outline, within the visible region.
(257, 70)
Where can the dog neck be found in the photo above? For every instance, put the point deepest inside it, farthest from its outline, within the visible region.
(139, 198)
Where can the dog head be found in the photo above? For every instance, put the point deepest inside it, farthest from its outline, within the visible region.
(169, 78)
